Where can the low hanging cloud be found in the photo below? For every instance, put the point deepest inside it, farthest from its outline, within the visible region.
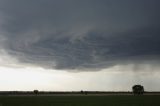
(81, 34)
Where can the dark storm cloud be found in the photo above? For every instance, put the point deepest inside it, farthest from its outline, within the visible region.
(81, 34)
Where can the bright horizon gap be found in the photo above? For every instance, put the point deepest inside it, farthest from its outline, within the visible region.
(29, 79)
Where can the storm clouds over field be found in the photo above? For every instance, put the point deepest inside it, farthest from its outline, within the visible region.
(79, 44)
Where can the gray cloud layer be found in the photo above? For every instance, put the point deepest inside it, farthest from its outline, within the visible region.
(81, 34)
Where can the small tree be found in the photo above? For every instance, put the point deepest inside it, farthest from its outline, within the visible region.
(82, 91)
(36, 92)
(138, 89)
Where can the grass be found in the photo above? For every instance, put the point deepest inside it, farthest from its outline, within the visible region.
(80, 100)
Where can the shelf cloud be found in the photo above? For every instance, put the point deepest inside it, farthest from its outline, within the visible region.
(81, 34)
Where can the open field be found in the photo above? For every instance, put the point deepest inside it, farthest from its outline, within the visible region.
(110, 100)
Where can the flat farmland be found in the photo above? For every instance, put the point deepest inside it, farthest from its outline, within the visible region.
(110, 100)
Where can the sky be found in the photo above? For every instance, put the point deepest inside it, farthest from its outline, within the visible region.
(70, 45)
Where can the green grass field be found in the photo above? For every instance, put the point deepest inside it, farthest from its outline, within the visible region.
(80, 100)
